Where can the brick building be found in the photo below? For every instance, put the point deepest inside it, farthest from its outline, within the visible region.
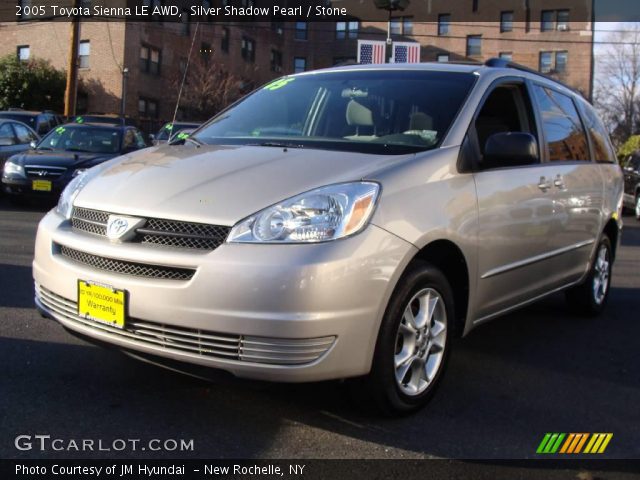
(548, 36)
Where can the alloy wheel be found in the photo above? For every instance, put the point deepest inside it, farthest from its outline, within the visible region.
(601, 275)
(420, 342)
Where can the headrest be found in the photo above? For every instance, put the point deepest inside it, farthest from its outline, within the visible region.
(359, 115)
(420, 121)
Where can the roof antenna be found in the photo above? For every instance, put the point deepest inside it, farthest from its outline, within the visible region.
(184, 76)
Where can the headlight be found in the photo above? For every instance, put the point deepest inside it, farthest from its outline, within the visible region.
(11, 168)
(324, 214)
(80, 178)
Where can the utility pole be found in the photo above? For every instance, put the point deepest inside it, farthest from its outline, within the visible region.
(123, 97)
(71, 92)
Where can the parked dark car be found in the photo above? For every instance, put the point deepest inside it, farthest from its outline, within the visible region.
(631, 168)
(63, 153)
(106, 118)
(15, 137)
(169, 130)
(40, 122)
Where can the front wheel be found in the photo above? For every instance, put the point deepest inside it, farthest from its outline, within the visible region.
(637, 209)
(590, 297)
(413, 343)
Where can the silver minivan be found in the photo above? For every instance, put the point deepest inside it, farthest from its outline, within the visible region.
(342, 223)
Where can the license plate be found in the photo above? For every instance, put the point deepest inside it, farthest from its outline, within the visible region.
(41, 185)
(101, 303)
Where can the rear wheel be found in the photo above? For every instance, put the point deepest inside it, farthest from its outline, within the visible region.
(590, 297)
(637, 209)
(413, 343)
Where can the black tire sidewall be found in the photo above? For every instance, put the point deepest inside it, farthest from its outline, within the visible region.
(419, 276)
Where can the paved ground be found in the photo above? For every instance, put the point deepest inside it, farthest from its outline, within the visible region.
(509, 382)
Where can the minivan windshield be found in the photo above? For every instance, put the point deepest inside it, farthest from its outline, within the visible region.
(386, 112)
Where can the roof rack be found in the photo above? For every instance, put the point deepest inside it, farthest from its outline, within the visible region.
(504, 63)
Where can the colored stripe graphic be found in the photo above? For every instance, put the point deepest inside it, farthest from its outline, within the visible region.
(573, 443)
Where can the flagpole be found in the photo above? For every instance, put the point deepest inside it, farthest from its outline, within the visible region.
(388, 49)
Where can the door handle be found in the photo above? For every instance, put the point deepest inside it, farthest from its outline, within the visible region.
(544, 184)
(559, 182)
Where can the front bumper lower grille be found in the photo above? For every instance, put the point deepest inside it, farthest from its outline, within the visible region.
(201, 343)
(168, 233)
(125, 267)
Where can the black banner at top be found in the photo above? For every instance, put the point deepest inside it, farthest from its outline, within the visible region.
(525, 11)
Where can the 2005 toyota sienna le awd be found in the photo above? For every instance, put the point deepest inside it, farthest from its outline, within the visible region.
(341, 223)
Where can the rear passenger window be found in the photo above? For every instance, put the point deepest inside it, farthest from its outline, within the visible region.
(602, 148)
(562, 127)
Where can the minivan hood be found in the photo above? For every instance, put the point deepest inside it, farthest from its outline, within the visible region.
(218, 184)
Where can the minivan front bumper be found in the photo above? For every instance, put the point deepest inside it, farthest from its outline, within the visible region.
(272, 312)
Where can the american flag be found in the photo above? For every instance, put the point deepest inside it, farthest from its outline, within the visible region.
(406, 52)
(371, 51)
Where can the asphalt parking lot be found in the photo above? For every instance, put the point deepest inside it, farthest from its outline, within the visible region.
(535, 371)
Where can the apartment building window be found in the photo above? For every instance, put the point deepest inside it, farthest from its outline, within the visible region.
(474, 45)
(506, 22)
(442, 57)
(506, 56)
(299, 64)
(84, 50)
(407, 25)
(396, 26)
(547, 20)
(561, 62)
(205, 51)
(147, 108)
(444, 21)
(474, 5)
(347, 30)
(554, 20)
(248, 49)
(224, 43)
(554, 62)
(276, 61)
(24, 52)
(546, 62)
(563, 20)
(301, 31)
(149, 60)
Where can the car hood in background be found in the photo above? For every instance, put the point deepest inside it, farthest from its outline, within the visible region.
(219, 184)
(71, 160)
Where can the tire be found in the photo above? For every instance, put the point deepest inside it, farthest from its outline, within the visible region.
(422, 339)
(636, 210)
(590, 297)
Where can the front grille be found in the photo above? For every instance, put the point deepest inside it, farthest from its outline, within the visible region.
(125, 267)
(155, 231)
(195, 342)
(44, 172)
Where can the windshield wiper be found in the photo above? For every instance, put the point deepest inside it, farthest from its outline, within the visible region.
(198, 143)
(74, 149)
(276, 144)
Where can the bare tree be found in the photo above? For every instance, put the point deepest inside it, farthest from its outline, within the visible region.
(617, 93)
(209, 88)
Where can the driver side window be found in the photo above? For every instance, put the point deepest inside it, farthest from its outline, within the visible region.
(507, 109)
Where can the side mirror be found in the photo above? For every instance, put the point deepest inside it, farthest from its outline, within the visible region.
(510, 149)
(7, 141)
(33, 144)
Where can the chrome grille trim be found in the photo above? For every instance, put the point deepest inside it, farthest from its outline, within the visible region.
(44, 171)
(155, 231)
(124, 267)
(195, 342)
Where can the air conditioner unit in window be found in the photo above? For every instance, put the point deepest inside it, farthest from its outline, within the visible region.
(563, 27)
